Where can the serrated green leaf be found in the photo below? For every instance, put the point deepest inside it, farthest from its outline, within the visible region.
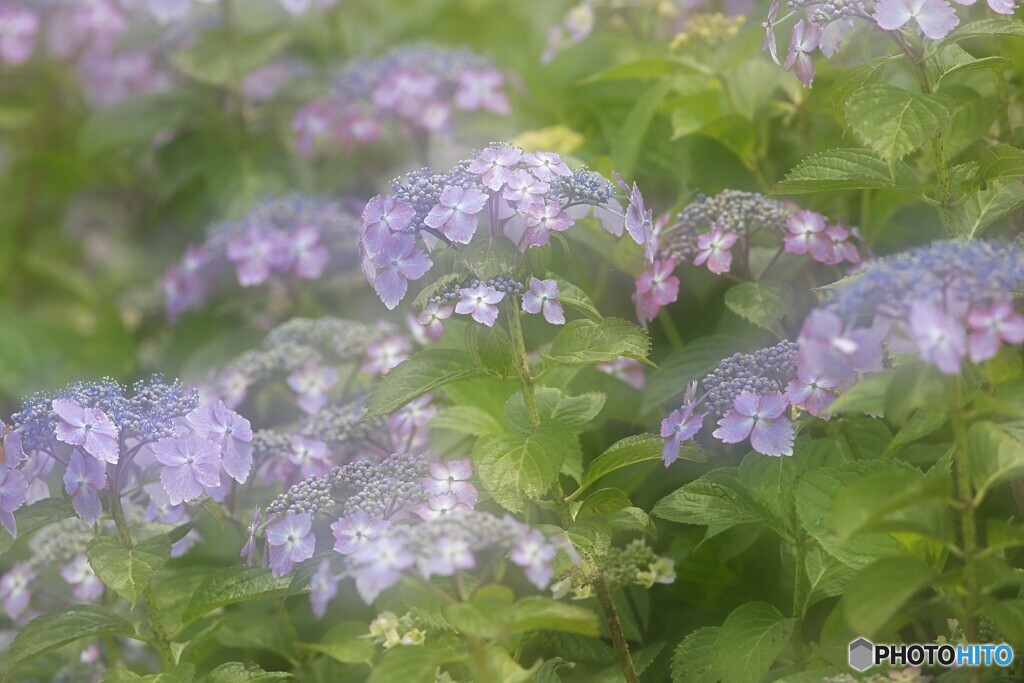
(491, 350)
(489, 257)
(466, 420)
(951, 59)
(985, 207)
(641, 68)
(424, 372)
(182, 673)
(603, 502)
(408, 665)
(574, 297)
(53, 630)
(895, 122)
(585, 342)
(848, 169)
(632, 450)
(694, 658)
(750, 640)
(128, 572)
(538, 613)
(985, 28)
(515, 468)
(573, 412)
(996, 456)
(717, 500)
(236, 672)
(233, 585)
(762, 303)
(864, 503)
(853, 79)
(879, 592)
(1001, 161)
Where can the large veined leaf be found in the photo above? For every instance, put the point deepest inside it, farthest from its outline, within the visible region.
(233, 585)
(762, 303)
(128, 572)
(515, 468)
(750, 640)
(848, 169)
(422, 373)
(1001, 161)
(584, 342)
(895, 122)
(878, 593)
(53, 630)
(694, 658)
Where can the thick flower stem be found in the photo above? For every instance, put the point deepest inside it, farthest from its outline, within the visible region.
(160, 639)
(604, 596)
(558, 495)
(968, 524)
(515, 328)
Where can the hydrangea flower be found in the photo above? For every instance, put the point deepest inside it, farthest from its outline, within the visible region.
(481, 89)
(807, 235)
(313, 383)
(805, 39)
(15, 591)
(89, 428)
(308, 456)
(437, 506)
(934, 18)
(384, 355)
(290, 540)
(83, 480)
(940, 339)
(249, 549)
(455, 213)
(480, 302)
(990, 327)
(811, 392)
(543, 298)
(452, 477)
(190, 464)
(233, 433)
(432, 318)
(681, 425)
(255, 253)
(80, 575)
(714, 249)
(655, 288)
(450, 555)
(379, 565)
(398, 262)
(13, 494)
(761, 419)
(323, 586)
(18, 28)
(352, 532)
(535, 555)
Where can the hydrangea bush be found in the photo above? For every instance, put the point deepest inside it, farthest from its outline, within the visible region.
(576, 341)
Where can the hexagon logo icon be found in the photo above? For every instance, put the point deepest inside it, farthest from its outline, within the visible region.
(862, 654)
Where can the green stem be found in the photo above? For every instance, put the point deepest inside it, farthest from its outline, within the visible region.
(799, 592)
(968, 524)
(604, 597)
(515, 328)
(160, 640)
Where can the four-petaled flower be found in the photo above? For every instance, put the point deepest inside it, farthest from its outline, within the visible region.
(812, 392)
(379, 565)
(481, 302)
(217, 423)
(452, 477)
(481, 89)
(384, 355)
(802, 42)
(714, 249)
(449, 555)
(398, 263)
(80, 575)
(15, 591)
(290, 540)
(769, 32)
(990, 326)
(546, 165)
(935, 18)
(13, 494)
(353, 531)
(681, 425)
(190, 464)
(807, 233)
(535, 555)
(494, 165)
(440, 505)
(323, 586)
(83, 479)
(455, 213)
(382, 216)
(255, 253)
(312, 383)
(543, 298)
(759, 417)
(940, 339)
(432, 318)
(541, 220)
(89, 428)
(656, 287)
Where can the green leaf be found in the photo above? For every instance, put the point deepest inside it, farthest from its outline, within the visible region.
(466, 420)
(236, 672)
(866, 396)
(137, 120)
(632, 450)
(491, 350)
(865, 502)
(344, 643)
(895, 122)
(827, 577)
(996, 456)
(951, 59)
(570, 411)
(408, 665)
(214, 61)
(604, 502)
(424, 372)
(761, 303)
(853, 79)
(986, 28)
(641, 68)
(489, 257)
(717, 500)
(515, 468)
(694, 658)
(538, 613)
(233, 585)
(128, 572)
(585, 342)
(1001, 161)
(971, 121)
(33, 517)
(879, 592)
(750, 640)
(182, 673)
(574, 297)
(690, 363)
(56, 629)
(848, 169)
(985, 207)
(626, 144)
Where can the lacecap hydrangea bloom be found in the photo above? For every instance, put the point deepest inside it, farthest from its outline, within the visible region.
(500, 193)
(946, 302)
(418, 87)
